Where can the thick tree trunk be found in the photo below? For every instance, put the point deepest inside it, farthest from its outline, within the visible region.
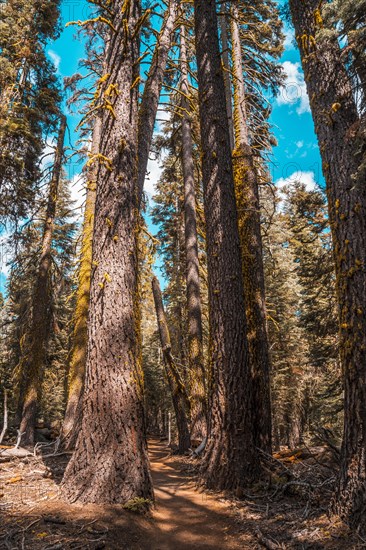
(230, 459)
(179, 395)
(110, 462)
(336, 124)
(151, 95)
(194, 308)
(33, 362)
(72, 420)
(247, 195)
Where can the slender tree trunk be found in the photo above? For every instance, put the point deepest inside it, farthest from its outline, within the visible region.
(110, 462)
(151, 95)
(194, 308)
(179, 395)
(33, 362)
(336, 125)
(227, 70)
(247, 196)
(230, 459)
(6, 412)
(72, 420)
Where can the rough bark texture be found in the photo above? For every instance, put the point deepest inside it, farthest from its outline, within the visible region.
(33, 361)
(179, 396)
(110, 462)
(336, 123)
(194, 308)
(230, 459)
(72, 420)
(247, 195)
(151, 95)
(226, 67)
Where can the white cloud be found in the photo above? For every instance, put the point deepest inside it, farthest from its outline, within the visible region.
(55, 58)
(163, 115)
(154, 170)
(289, 43)
(307, 178)
(299, 144)
(293, 92)
(78, 192)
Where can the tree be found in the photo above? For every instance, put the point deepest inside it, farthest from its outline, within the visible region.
(289, 380)
(194, 308)
(72, 420)
(152, 89)
(311, 245)
(33, 359)
(230, 459)
(95, 63)
(16, 320)
(110, 463)
(346, 20)
(247, 196)
(176, 384)
(29, 96)
(336, 122)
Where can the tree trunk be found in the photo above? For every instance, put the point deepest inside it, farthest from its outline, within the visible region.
(33, 361)
(110, 462)
(151, 95)
(194, 308)
(179, 395)
(6, 412)
(72, 420)
(247, 196)
(230, 459)
(226, 66)
(336, 124)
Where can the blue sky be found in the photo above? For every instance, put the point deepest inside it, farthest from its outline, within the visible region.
(296, 157)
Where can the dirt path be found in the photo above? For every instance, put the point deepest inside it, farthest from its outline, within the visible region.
(33, 515)
(184, 517)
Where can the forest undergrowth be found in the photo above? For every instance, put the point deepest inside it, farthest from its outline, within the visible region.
(287, 510)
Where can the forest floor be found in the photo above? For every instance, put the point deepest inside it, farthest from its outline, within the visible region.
(33, 516)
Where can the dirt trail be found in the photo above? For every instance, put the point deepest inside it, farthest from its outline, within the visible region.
(186, 518)
(33, 515)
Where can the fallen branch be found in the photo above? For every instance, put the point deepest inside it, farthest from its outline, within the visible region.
(266, 542)
(15, 452)
(200, 448)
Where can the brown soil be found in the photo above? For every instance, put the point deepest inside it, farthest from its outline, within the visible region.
(33, 516)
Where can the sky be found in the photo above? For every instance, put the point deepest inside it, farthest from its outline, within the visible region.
(295, 158)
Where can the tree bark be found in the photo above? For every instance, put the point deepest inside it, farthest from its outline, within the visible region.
(72, 419)
(336, 124)
(179, 395)
(230, 459)
(226, 66)
(247, 196)
(33, 361)
(194, 308)
(151, 95)
(110, 462)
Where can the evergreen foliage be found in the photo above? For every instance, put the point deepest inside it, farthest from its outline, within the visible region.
(30, 96)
